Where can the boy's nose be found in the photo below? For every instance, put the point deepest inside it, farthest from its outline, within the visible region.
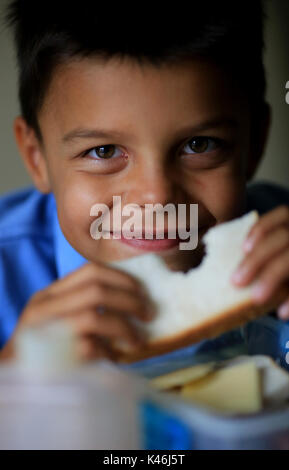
(153, 187)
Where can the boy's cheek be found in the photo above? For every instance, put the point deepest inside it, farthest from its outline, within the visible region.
(74, 204)
(223, 195)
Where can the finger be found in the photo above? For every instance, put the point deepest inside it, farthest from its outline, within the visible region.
(88, 296)
(99, 272)
(91, 347)
(283, 310)
(265, 224)
(126, 302)
(272, 279)
(275, 242)
(109, 326)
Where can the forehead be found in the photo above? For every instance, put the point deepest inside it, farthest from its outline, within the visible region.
(117, 92)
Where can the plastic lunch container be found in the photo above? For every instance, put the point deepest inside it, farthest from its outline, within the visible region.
(170, 423)
(100, 406)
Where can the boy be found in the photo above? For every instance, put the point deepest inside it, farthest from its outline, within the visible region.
(155, 109)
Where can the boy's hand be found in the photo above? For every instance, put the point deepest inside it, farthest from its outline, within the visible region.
(79, 298)
(267, 258)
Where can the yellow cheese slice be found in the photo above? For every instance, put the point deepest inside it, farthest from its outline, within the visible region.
(235, 389)
(182, 376)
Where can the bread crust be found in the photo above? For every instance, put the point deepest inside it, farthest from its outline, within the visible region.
(237, 316)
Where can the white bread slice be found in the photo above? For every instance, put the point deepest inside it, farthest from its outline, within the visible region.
(198, 304)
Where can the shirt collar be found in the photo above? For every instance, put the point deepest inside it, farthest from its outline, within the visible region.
(67, 259)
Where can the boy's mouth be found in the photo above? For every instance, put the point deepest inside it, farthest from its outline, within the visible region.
(154, 244)
(155, 234)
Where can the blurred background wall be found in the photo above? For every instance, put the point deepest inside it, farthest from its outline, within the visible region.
(275, 165)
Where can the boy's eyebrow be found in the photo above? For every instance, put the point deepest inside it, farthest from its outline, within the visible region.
(82, 133)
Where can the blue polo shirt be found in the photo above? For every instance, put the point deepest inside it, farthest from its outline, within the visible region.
(34, 251)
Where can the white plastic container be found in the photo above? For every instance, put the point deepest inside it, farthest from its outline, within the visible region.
(92, 407)
(49, 400)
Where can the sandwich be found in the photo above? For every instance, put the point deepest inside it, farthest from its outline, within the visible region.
(201, 303)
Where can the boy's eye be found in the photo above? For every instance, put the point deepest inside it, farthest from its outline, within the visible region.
(103, 152)
(196, 145)
(202, 144)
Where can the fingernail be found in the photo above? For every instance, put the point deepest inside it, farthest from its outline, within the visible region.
(239, 275)
(248, 245)
(259, 291)
(236, 278)
(127, 345)
(283, 311)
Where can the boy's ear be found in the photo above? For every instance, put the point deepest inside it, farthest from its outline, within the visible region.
(259, 134)
(31, 151)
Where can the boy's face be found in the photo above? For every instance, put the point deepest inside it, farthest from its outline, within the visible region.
(157, 113)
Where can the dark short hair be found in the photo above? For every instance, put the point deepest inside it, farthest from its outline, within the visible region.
(50, 32)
